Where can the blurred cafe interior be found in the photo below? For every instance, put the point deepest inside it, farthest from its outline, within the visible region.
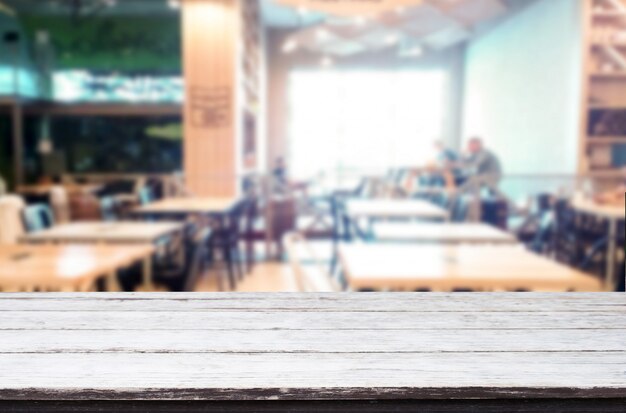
(312, 145)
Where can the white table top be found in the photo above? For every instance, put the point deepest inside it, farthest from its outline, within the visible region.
(395, 208)
(442, 232)
(109, 232)
(189, 206)
(447, 267)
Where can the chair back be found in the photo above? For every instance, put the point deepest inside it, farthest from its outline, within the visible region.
(108, 209)
(310, 278)
(60, 203)
(11, 227)
(37, 217)
(460, 208)
(146, 196)
(195, 257)
(542, 243)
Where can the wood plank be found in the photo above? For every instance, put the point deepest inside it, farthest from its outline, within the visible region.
(313, 302)
(305, 319)
(308, 376)
(332, 341)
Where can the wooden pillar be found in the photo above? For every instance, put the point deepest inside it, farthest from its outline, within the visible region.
(211, 41)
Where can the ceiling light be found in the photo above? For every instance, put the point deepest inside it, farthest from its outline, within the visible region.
(327, 62)
(392, 39)
(322, 34)
(415, 52)
(173, 4)
(303, 11)
(360, 21)
(290, 46)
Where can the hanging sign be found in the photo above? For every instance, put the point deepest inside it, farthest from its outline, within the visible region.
(351, 7)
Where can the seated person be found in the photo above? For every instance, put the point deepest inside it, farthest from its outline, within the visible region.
(482, 168)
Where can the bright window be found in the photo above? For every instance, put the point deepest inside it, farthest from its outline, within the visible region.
(361, 122)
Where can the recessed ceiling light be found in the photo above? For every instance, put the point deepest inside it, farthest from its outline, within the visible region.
(327, 62)
(290, 46)
(392, 39)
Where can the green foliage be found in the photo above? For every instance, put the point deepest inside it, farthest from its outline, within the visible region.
(104, 43)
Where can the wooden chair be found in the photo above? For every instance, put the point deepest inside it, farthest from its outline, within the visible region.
(146, 196)
(108, 209)
(313, 277)
(226, 239)
(37, 217)
(185, 278)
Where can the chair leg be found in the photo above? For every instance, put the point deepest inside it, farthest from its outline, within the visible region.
(228, 261)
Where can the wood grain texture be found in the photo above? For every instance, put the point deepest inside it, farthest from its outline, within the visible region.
(270, 349)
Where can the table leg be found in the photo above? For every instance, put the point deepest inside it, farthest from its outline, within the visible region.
(610, 258)
(112, 284)
(147, 274)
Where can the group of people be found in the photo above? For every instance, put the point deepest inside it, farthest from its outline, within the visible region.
(477, 169)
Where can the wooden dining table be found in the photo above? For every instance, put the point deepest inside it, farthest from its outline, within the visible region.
(456, 233)
(113, 233)
(44, 189)
(187, 206)
(118, 232)
(66, 267)
(409, 267)
(394, 209)
(313, 353)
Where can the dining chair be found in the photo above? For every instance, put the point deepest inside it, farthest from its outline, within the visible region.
(186, 277)
(226, 238)
(37, 217)
(146, 196)
(460, 206)
(108, 209)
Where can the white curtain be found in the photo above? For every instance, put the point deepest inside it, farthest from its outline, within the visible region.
(363, 122)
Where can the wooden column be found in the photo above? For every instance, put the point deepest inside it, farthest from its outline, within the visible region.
(211, 38)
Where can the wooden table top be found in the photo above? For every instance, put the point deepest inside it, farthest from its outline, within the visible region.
(44, 189)
(189, 206)
(442, 232)
(109, 232)
(610, 211)
(394, 208)
(272, 347)
(56, 267)
(445, 267)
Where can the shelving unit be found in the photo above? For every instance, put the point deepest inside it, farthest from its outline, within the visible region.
(603, 141)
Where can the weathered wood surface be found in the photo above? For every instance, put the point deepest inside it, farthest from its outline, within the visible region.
(336, 352)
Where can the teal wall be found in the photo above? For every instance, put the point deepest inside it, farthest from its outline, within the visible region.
(523, 88)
